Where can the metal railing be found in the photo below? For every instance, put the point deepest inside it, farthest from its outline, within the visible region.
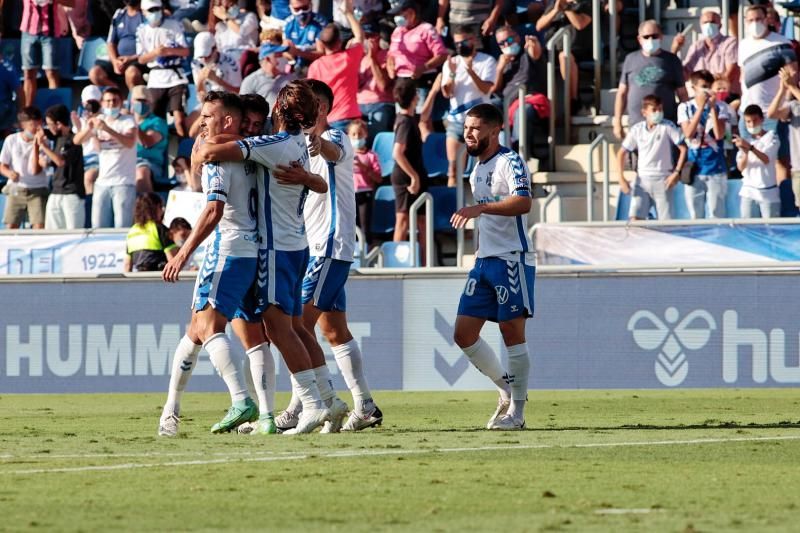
(565, 37)
(642, 11)
(612, 41)
(551, 195)
(600, 140)
(361, 241)
(726, 15)
(427, 199)
(597, 51)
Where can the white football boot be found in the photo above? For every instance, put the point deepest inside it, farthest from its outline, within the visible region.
(309, 420)
(338, 411)
(502, 409)
(168, 425)
(508, 423)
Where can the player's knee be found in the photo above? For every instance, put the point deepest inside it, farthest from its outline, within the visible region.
(464, 338)
(512, 334)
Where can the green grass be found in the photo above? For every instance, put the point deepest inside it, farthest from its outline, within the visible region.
(585, 454)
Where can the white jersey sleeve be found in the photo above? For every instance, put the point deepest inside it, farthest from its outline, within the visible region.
(236, 185)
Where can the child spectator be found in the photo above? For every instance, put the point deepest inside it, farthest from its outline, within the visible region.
(756, 162)
(366, 173)
(182, 169)
(654, 139)
(703, 122)
(23, 164)
(65, 206)
(151, 150)
(789, 111)
(148, 243)
(179, 230)
(409, 175)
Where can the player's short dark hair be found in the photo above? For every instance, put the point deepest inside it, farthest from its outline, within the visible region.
(753, 111)
(320, 88)
(180, 223)
(651, 100)
(113, 90)
(58, 113)
(404, 91)
(487, 113)
(296, 107)
(29, 113)
(229, 101)
(703, 75)
(255, 103)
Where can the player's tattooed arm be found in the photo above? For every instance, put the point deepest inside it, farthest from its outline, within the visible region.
(297, 175)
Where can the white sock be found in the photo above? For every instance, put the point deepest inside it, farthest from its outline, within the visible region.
(219, 348)
(305, 385)
(295, 405)
(325, 384)
(348, 358)
(262, 372)
(183, 363)
(482, 356)
(519, 366)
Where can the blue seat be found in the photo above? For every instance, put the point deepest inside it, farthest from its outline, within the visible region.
(46, 98)
(93, 49)
(10, 50)
(383, 217)
(65, 57)
(398, 254)
(434, 155)
(444, 205)
(185, 147)
(383, 146)
(191, 98)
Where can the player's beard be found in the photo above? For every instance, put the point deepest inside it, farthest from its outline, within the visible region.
(479, 148)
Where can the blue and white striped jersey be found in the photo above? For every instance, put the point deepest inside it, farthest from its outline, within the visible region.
(331, 217)
(236, 184)
(504, 174)
(282, 205)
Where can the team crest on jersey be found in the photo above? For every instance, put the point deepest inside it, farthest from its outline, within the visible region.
(489, 179)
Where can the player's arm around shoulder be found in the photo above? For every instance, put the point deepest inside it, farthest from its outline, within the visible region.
(223, 148)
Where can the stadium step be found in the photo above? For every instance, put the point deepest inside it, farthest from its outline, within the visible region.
(575, 159)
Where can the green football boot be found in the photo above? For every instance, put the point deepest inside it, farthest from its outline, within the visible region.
(266, 425)
(238, 414)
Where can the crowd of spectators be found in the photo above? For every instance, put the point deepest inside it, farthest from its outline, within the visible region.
(401, 65)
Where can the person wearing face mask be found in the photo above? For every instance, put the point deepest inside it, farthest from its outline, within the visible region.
(338, 68)
(122, 64)
(161, 45)
(22, 163)
(416, 52)
(302, 31)
(650, 70)
(374, 95)
(713, 51)
(756, 161)
(151, 150)
(268, 80)
(213, 69)
(65, 206)
(786, 108)
(237, 28)
(115, 188)
(468, 80)
(655, 139)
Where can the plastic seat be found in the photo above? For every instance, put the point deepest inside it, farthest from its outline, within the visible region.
(434, 155)
(444, 205)
(93, 49)
(383, 217)
(383, 146)
(65, 58)
(46, 98)
(398, 254)
(185, 147)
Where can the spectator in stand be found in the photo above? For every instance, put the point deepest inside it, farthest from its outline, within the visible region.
(703, 122)
(22, 162)
(714, 52)
(90, 107)
(153, 138)
(121, 43)
(179, 231)
(756, 161)
(468, 78)
(236, 29)
(522, 67)
(181, 168)
(189, 12)
(281, 9)
(650, 70)
(789, 111)
(40, 27)
(161, 45)
(481, 16)
(148, 243)
(409, 176)
(77, 17)
(339, 68)
(266, 19)
(416, 52)
(302, 30)
(366, 11)
(65, 205)
(366, 174)
(655, 140)
(577, 16)
(115, 188)
(374, 86)
(268, 80)
(255, 119)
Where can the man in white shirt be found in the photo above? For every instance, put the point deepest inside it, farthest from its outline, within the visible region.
(161, 45)
(756, 162)
(467, 80)
(500, 286)
(115, 188)
(24, 165)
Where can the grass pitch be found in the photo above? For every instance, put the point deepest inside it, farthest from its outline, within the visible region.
(684, 460)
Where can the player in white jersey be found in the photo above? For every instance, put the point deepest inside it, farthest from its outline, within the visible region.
(283, 255)
(330, 222)
(500, 286)
(259, 364)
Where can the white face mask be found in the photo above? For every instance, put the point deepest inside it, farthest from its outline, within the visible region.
(656, 117)
(651, 46)
(756, 29)
(754, 130)
(710, 29)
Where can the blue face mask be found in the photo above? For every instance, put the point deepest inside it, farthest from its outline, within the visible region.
(141, 108)
(154, 19)
(358, 144)
(233, 12)
(112, 112)
(400, 21)
(512, 49)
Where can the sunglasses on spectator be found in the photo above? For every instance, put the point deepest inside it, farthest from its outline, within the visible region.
(507, 40)
(154, 10)
(651, 36)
